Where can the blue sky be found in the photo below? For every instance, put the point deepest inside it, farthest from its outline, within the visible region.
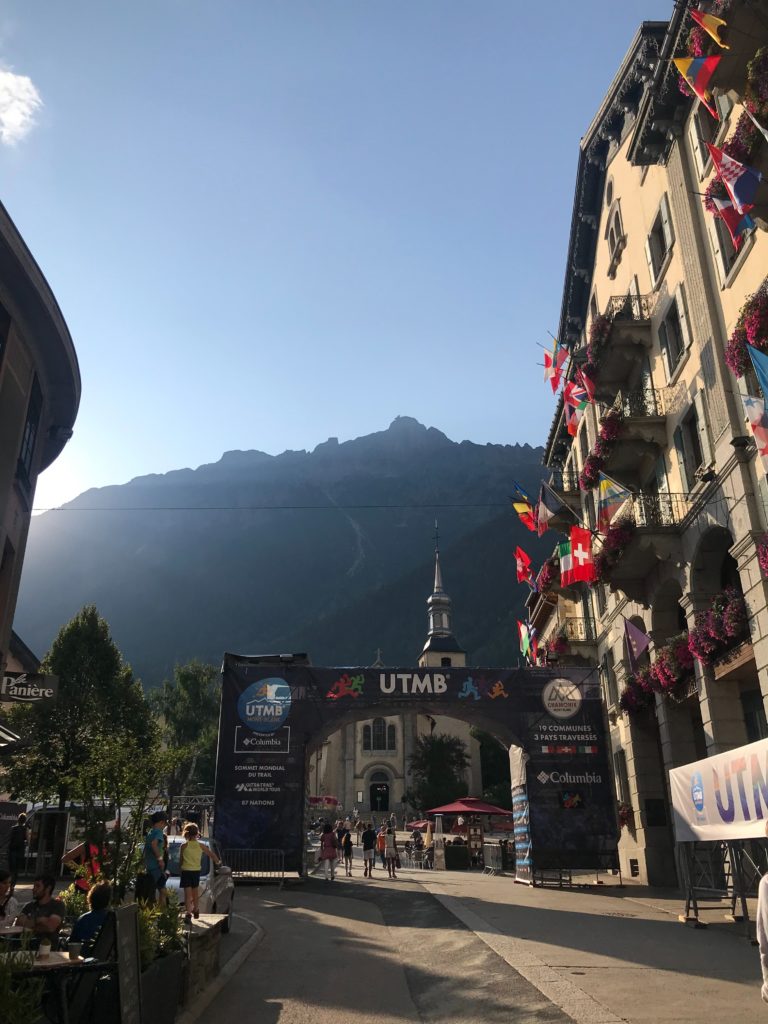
(268, 223)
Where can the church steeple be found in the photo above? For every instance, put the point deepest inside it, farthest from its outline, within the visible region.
(441, 647)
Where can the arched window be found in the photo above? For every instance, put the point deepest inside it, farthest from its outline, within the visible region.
(366, 737)
(379, 734)
(391, 738)
(379, 777)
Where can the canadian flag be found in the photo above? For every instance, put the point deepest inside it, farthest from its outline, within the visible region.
(581, 555)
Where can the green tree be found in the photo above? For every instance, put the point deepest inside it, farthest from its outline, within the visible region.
(438, 769)
(98, 696)
(188, 706)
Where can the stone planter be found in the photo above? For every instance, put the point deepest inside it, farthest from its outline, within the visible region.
(161, 988)
(203, 963)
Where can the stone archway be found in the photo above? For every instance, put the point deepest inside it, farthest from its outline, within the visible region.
(378, 790)
(273, 714)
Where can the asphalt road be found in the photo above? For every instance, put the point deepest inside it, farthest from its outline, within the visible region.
(357, 950)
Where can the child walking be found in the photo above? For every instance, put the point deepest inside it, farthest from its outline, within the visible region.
(190, 862)
(346, 847)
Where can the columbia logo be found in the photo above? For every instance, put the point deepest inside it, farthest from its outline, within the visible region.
(542, 777)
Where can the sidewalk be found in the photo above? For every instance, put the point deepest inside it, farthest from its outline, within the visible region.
(609, 955)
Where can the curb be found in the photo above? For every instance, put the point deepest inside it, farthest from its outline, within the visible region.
(228, 970)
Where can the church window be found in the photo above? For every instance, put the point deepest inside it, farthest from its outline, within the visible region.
(445, 663)
(366, 737)
(391, 738)
(379, 734)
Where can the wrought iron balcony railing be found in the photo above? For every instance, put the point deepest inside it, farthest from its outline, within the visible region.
(579, 629)
(564, 480)
(659, 510)
(630, 307)
(644, 402)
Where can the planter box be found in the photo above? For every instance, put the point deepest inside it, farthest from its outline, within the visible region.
(736, 662)
(161, 988)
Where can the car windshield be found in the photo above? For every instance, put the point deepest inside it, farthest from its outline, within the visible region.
(174, 853)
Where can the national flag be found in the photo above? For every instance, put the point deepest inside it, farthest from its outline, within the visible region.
(575, 404)
(756, 123)
(587, 383)
(525, 511)
(637, 643)
(760, 363)
(549, 506)
(740, 180)
(697, 72)
(525, 640)
(712, 26)
(737, 223)
(566, 562)
(524, 573)
(559, 748)
(587, 748)
(582, 555)
(534, 642)
(524, 507)
(610, 497)
(553, 364)
(754, 409)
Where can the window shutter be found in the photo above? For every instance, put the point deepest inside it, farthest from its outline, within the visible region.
(680, 450)
(649, 258)
(701, 422)
(682, 313)
(717, 251)
(666, 223)
(664, 346)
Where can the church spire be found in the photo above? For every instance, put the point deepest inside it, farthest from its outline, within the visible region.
(440, 639)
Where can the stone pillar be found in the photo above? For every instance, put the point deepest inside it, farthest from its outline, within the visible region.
(721, 712)
(756, 596)
(348, 782)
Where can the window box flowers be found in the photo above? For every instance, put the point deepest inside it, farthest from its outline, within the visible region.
(673, 665)
(751, 329)
(616, 540)
(762, 554)
(557, 645)
(638, 693)
(721, 628)
(610, 431)
(548, 577)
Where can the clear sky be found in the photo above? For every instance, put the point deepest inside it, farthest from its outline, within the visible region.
(268, 222)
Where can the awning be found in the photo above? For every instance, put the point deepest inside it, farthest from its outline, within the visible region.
(469, 805)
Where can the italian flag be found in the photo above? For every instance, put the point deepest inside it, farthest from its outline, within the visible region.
(566, 562)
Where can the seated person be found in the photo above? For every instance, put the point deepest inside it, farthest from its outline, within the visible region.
(9, 906)
(88, 926)
(43, 915)
(418, 840)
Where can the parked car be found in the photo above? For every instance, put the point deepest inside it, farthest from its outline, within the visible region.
(217, 890)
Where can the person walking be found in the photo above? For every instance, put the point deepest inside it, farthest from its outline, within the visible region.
(381, 844)
(346, 849)
(340, 830)
(368, 839)
(17, 848)
(190, 863)
(154, 856)
(329, 847)
(390, 851)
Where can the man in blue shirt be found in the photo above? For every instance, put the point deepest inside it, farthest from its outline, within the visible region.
(154, 854)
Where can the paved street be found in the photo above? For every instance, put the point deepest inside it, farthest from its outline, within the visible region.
(453, 946)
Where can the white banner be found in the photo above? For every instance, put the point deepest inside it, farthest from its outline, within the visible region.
(722, 797)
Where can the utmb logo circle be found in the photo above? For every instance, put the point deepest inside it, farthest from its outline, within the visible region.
(265, 705)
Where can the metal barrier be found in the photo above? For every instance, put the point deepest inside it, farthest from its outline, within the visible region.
(497, 857)
(256, 865)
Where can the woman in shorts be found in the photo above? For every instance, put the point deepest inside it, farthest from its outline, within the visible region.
(190, 862)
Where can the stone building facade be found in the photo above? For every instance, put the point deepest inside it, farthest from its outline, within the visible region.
(653, 291)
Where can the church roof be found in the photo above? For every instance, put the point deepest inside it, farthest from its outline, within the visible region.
(443, 644)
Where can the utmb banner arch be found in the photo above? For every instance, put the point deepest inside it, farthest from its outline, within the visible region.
(272, 714)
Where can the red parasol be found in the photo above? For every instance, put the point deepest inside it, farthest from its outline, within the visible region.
(469, 805)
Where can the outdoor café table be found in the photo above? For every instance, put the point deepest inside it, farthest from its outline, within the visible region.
(58, 968)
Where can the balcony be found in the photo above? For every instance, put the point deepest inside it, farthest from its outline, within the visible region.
(580, 631)
(643, 434)
(658, 520)
(619, 341)
(565, 484)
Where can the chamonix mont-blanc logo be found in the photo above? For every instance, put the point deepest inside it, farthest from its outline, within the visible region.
(561, 698)
(265, 705)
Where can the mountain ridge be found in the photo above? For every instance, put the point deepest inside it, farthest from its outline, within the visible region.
(255, 550)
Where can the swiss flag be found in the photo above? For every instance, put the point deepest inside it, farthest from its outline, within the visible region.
(581, 555)
(523, 566)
